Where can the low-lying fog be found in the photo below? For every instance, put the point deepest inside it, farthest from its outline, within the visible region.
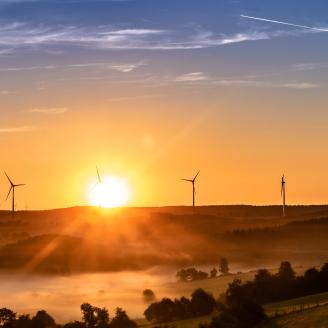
(62, 296)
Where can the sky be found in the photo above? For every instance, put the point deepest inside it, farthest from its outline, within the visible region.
(151, 91)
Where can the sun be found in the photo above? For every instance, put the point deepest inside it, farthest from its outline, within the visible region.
(110, 192)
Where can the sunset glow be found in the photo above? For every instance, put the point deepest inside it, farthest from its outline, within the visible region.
(111, 192)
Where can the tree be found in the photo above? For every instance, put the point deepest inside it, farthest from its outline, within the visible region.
(121, 320)
(43, 320)
(202, 302)
(213, 273)
(191, 274)
(286, 272)
(94, 316)
(148, 296)
(182, 275)
(163, 311)
(23, 321)
(7, 318)
(75, 324)
(224, 266)
(246, 314)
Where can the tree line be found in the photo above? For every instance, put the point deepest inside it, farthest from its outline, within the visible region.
(192, 274)
(92, 317)
(267, 287)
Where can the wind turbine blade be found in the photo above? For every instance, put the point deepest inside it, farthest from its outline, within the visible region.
(19, 185)
(196, 175)
(9, 179)
(99, 179)
(9, 192)
(188, 180)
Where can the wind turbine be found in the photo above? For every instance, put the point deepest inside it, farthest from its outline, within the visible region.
(283, 194)
(99, 178)
(193, 187)
(12, 189)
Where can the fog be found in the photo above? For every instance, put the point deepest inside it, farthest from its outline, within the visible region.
(62, 296)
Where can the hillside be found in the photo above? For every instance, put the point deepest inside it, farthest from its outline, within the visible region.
(175, 237)
(316, 318)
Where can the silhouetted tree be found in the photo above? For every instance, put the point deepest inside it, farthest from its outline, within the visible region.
(121, 320)
(224, 266)
(7, 318)
(43, 320)
(202, 302)
(75, 324)
(148, 296)
(94, 316)
(286, 271)
(246, 314)
(163, 311)
(191, 274)
(213, 273)
(23, 321)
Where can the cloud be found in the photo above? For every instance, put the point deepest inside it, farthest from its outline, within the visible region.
(49, 111)
(27, 68)
(300, 85)
(121, 67)
(16, 129)
(307, 66)
(126, 68)
(135, 32)
(318, 29)
(21, 35)
(192, 77)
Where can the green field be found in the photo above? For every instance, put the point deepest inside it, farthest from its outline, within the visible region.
(295, 304)
(312, 318)
(190, 323)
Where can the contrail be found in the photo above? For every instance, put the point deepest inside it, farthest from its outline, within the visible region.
(285, 23)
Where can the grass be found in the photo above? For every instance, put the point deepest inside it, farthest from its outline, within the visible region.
(312, 318)
(295, 304)
(189, 323)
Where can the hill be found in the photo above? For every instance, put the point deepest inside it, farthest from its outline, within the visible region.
(316, 317)
(175, 237)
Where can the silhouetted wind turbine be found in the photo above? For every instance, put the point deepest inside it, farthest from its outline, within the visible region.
(283, 194)
(99, 178)
(12, 189)
(193, 187)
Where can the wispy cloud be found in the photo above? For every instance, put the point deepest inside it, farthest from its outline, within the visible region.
(27, 68)
(211, 81)
(192, 77)
(21, 35)
(49, 111)
(307, 66)
(16, 129)
(126, 68)
(121, 67)
(318, 29)
(300, 85)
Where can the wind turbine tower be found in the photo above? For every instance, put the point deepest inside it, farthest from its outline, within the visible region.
(192, 181)
(283, 195)
(12, 190)
(98, 175)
